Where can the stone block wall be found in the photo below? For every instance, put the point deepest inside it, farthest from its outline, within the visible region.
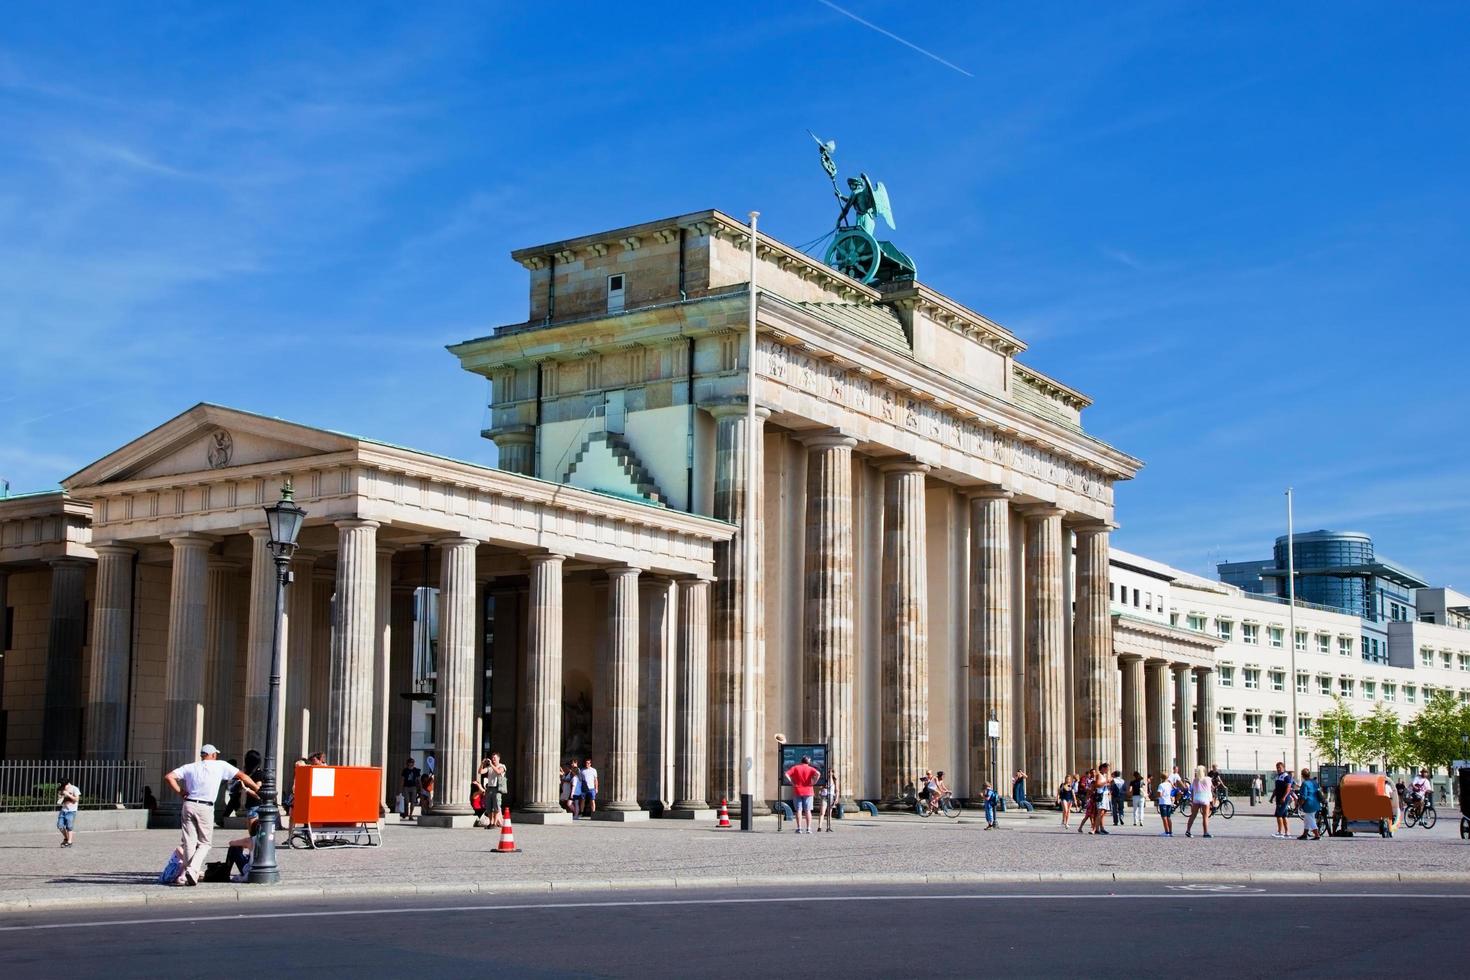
(29, 594)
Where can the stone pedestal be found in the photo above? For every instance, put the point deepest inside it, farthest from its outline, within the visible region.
(354, 646)
(539, 776)
(112, 631)
(990, 639)
(1046, 715)
(905, 625)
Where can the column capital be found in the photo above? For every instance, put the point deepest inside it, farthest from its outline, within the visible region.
(542, 559)
(1128, 658)
(827, 439)
(261, 534)
(69, 562)
(348, 523)
(1156, 662)
(987, 493)
(191, 541)
(1037, 512)
(726, 407)
(513, 435)
(455, 541)
(908, 465)
(115, 550)
(1202, 672)
(1091, 526)
(624, 571)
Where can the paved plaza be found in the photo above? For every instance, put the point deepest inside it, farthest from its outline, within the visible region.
(119, 867)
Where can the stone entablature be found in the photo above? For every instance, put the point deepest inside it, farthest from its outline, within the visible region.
(40, 527)
(1155, 641)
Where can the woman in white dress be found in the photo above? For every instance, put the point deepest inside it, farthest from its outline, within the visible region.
(1201, 798)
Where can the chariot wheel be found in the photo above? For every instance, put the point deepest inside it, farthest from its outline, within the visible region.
(855, 253)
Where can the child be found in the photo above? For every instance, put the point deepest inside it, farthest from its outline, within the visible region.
(991, 801)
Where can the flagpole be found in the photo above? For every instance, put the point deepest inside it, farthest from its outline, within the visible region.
(751, 540)
(1291, 627)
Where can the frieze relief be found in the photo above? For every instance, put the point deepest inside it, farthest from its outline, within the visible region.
(853, 391)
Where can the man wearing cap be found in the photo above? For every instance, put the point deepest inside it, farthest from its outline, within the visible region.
(198, 784)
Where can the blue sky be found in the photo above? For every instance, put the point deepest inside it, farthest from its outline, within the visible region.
(1241, 229)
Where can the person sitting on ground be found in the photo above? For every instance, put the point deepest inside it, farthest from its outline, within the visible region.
(241, 850)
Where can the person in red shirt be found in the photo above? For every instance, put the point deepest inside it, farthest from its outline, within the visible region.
(803, 777)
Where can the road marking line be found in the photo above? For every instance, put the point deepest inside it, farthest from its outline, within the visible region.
(216, 915)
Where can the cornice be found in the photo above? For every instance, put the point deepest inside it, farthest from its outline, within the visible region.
(944, 311)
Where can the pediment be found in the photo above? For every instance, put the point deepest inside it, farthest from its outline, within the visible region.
(209, 438)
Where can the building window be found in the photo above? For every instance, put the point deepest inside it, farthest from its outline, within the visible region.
(1148, 601)
(1198, 623)
(1426, 657)
(1324, 685)
(1444, 659)
(1227, 722)
(1324, 644)
(1390, 691)
(1253, 723)
(1345, 646)
(1428, 693)
(1225, 628)
(1278, 724)
(1113, 591)
(1173, 617)
(1278, 680)
(1345, 686)
(1303, 682)
(615, 286)
(1409, 693)
(1301, 641)
(1250, 634)
(1465, 661)
(1304, 725)
(1370, 690)
(1227, 675)
(1276, 635)
(1253, 678)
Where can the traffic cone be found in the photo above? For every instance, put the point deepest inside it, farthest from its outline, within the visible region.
(507, 836)
(724, 814)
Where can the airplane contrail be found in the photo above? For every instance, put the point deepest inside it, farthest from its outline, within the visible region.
(908, 44)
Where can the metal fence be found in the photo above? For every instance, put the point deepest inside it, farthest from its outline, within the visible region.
(26, 785)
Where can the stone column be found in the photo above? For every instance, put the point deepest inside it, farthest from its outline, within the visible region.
(184, 678)
(454, 694)
(516, 448)
(221, 629)
(262, 631)
(1184, 749)
(905, 624)
(691, 773)
(657, 618)
(1046, 711)
(728, 628)
(1135, 714)
(1204, 687)
(619, 679)
(540, 785)
(1094, 667)
(382, 687)
(990, 638)
(112, 633)
(322, 585)
(1160, 724)
(298, 693)
(354, 646)
(61, 728)
(831, 642)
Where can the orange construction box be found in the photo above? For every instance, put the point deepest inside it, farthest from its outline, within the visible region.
(1367, 796)
(330, 797)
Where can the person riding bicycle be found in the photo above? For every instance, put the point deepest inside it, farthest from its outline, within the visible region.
(929, 792)
(1419, 791)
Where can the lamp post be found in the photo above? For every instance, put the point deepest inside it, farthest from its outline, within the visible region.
(284, 519)
(992, 728)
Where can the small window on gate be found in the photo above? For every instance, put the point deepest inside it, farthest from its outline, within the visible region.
(614, 293)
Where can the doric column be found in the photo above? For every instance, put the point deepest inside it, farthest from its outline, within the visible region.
(990, 637)
(1046, 715)
(262, 631)
(381, 684)
(1184, 749)
(728, 629)
(454, 694)
(321, 585)
(1135, 714)
(61, 728)
(905, 625)
(1094, 667)
(112, 633)
(657, 622)
(691, 773)
(299, 634)
(1160, 723)
(221, 630)
(538, 776)
(354, 646)
(619, 679)
(1204, 686)
(516, 447)
(184, 679)
(828, 664)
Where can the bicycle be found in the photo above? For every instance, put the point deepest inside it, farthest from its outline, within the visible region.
(1420, 814)
(1218, 807)
(946, 804)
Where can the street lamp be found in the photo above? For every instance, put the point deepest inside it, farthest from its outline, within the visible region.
(284, 519)
(992, 728)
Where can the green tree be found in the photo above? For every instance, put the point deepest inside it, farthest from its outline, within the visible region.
(1336, 735)
(1435, 736)
(1380, 738)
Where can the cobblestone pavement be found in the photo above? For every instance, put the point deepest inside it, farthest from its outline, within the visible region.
(119, 866)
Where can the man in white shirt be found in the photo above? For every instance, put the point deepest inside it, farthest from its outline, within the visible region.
(198, 784)
(589, 789)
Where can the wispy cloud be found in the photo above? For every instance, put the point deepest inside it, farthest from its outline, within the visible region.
(901, 40)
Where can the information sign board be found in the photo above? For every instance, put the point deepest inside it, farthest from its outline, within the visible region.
(791, 754)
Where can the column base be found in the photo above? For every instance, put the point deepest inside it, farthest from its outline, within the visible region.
(446, 821)
(620, 816)
(540, 817)
(706, 815)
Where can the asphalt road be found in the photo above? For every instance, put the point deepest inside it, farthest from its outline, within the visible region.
(1015, 931)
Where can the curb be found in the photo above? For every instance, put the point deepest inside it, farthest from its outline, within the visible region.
(245, 895)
